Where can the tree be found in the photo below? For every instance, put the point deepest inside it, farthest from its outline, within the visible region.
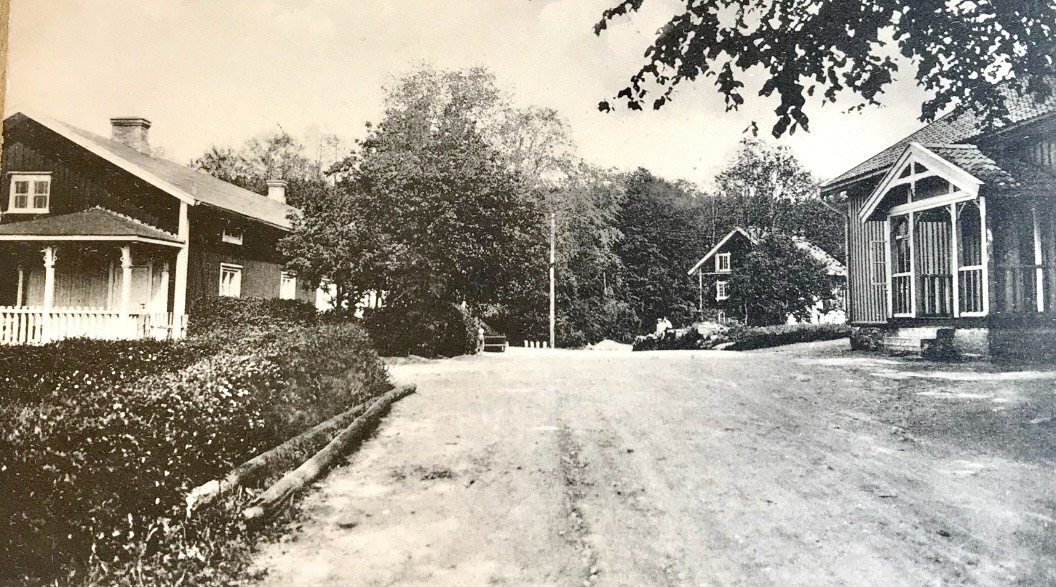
(423, 208)
(532, 141)
(330, 243)
(767, 188)
(777, 279)
(662, 226)
(273, 156)
(822, 50)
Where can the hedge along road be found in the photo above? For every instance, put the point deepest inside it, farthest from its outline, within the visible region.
(809, 465)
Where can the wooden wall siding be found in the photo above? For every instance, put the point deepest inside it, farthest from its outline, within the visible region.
(1015, 271)
(1043, 154)
(260, 279)
(868, 301)
(80, 179)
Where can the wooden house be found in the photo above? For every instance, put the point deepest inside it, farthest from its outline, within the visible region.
(715, 270)
(99, 238)
(952, 235)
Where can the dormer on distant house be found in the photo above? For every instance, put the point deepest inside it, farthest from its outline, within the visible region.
(715, 270)
(952, 235)
(100, 238)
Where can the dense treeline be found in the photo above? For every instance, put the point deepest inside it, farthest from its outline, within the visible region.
(451, 195)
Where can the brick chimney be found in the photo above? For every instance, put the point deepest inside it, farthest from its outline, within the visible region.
(132, 131)
(277, 190)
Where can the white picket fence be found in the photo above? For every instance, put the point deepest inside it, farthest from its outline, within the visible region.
(27, 325)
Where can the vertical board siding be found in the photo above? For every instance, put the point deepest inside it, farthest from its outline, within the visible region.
(868, 301)
(79, 179)
(1043, 154)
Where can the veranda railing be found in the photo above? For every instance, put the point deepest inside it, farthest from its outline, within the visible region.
(31, 325)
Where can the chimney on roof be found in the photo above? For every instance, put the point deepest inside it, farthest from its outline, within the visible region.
(277, 190)
(131, 131)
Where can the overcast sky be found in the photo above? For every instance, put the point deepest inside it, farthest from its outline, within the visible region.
(220, 71)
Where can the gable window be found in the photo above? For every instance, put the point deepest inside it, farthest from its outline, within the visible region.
(232, 235)
(30, 193)
(722, 290)
(230, 280)
(878, 262)
(288, 286)
(722, 262)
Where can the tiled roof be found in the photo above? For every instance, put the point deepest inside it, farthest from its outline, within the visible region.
(948, 129)
(95, 222)
(194, 185)
(972, 160)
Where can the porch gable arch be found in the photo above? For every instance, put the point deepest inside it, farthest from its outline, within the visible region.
(917, 167)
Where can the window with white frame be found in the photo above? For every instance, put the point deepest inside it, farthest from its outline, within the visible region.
(232, 234)
(722, 290)
(288, 286)
(30, 193)
(722, 262)
(230, 280)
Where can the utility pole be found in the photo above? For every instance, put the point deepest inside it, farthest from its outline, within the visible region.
(553, 247)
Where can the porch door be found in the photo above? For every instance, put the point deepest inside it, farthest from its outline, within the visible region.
(933, 235)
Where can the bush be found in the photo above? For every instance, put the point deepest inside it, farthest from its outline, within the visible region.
(209, 316)
(428, 329)
(96, 455)
(747, 338)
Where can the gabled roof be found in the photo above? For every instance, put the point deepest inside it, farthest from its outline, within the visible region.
(184, 183)
(947, 130)
(91, 224)
(970, 170)
(754, 235)
(736, 230)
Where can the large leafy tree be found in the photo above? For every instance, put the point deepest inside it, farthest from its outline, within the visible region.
(661, 224)
(775, 280)
(276, 155)
(424, 207)
(824, 50)
(765, 187)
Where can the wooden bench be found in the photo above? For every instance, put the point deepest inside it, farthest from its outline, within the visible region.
(495, 343)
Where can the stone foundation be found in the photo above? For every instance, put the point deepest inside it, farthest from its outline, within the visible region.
(942, 343)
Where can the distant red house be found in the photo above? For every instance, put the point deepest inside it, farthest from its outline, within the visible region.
(715, 270)
(100, 238)
(953, 234)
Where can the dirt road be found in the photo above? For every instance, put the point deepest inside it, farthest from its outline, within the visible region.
(806, 466)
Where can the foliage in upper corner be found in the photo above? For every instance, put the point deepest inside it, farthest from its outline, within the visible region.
(823, 49)
(776, 280)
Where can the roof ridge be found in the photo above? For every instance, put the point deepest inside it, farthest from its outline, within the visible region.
(131, 219)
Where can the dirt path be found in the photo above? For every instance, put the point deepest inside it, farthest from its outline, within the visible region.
(683, 468)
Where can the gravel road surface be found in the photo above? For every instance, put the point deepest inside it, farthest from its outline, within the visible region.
(809, 465)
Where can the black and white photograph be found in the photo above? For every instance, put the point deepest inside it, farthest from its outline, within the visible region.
(573, 293)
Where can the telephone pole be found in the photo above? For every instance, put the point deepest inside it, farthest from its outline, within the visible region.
(553, 246)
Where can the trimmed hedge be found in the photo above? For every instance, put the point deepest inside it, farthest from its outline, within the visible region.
(100, 444)
(741, 338)
(428, 329)
(745, 338)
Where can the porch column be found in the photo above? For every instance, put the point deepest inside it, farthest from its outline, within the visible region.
(21, 285)
(179, 296)
(955, 262)
(1039, 271)
(49, 293)
(126, 281)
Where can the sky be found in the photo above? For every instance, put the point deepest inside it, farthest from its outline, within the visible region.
(218, 72)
